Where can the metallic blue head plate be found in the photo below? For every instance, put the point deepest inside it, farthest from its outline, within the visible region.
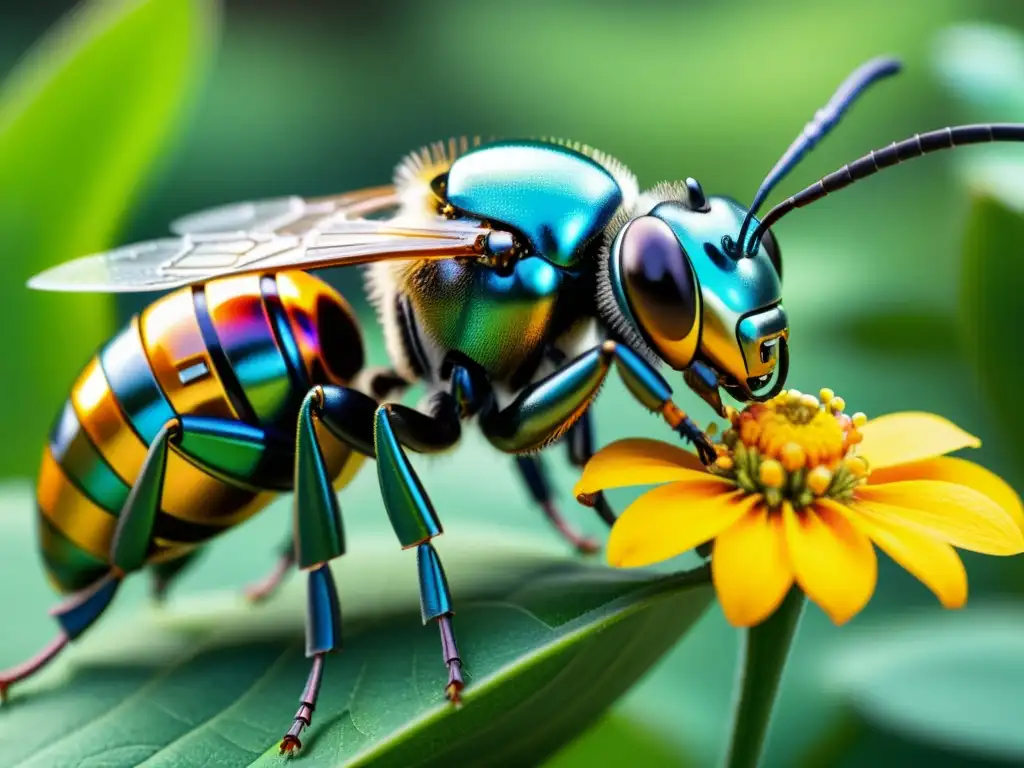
(740, 296)
(556, 197)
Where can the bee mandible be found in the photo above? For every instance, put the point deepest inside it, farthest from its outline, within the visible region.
(509, 277)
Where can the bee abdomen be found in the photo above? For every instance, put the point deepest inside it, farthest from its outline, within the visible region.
(243, 349)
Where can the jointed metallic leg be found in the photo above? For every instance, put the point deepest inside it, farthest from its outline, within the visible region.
(128, 552)
(412, 515)
(342, 405)
(268, 585)
(533, 471)
(318, 540)
(580, 442)
(543, 411)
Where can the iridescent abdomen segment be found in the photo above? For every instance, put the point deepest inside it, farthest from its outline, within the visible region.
(244, 349)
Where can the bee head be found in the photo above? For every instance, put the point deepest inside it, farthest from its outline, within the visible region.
(675, 291)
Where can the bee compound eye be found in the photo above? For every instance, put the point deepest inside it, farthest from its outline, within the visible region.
(660, 287)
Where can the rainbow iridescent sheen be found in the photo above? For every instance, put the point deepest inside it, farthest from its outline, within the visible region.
(242, 351)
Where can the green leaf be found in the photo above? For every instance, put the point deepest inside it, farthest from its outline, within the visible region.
(990, 301)
(82, 121)
(949, 680)
(549, 644)
(983, 66)
(620, 740)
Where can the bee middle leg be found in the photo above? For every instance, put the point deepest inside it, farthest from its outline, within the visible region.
(356, 418)
(378, 383)
(412, 514)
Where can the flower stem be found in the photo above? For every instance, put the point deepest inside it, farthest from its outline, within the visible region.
(763, 655)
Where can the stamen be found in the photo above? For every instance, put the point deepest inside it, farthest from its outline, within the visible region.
(795, 447)
(771, 474)
(818, 480)
(793, 456)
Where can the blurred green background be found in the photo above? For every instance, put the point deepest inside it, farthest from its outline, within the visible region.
(319, 97)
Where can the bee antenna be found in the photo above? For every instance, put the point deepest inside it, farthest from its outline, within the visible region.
(917, 145)
(824, 120)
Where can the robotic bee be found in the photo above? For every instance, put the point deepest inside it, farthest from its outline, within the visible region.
(491, 265)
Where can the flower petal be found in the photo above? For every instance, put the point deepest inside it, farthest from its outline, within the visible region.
(834, 563)
(750, 568)
(672, 519)
(950, 512)
(933, 562)
(899, 438)
(638, 461)
(957, 471)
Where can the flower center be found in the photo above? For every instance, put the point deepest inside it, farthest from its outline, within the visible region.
(794, 447)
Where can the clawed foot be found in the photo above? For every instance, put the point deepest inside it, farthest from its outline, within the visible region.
(267, 586)
(291, 742)
(701, 442)
(290, 745)
(453, 691)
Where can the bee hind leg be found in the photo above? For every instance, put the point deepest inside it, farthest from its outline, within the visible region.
(128, 551)
(75, 615)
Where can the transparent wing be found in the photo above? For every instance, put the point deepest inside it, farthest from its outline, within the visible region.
(267, 236)
(294, 215)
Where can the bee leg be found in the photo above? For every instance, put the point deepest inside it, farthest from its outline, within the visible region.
(319, 538)
(547, 408)
(412, 515)
(532, 469)
(163, 574)
(128, 552)
(580, 442)
(267, 586)
(342, 406)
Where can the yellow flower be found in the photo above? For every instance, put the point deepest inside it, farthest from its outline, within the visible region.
(800, 494)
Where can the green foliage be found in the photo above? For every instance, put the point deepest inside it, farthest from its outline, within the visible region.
(548, 645)
(982, 65)
(993, 274)
(321, 102)
(620, 740)
(946, 680)
(82, 121)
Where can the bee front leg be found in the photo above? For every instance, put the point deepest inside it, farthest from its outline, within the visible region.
(547, 408)
(580, 441)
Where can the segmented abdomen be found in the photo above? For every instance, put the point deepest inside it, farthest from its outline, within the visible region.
(244, 349)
